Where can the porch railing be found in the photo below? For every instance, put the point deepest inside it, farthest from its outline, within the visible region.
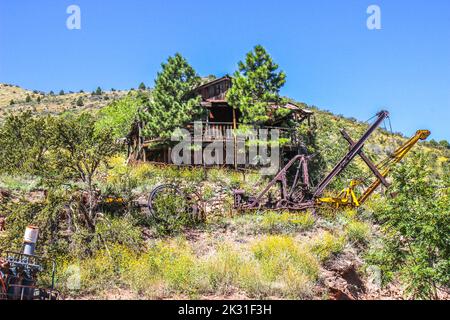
(224, 131)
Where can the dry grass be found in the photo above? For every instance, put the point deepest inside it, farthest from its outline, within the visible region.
(50, 104)
(272, 266)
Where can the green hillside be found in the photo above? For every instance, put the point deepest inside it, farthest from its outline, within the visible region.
(117, 250)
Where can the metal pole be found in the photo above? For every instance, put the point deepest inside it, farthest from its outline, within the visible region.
(354, 150)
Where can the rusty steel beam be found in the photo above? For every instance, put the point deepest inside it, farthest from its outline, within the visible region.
(352, 153)
(369, 163)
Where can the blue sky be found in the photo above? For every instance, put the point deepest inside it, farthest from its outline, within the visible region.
(331, 58)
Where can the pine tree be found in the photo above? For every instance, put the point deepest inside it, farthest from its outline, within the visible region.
(28, 98)
(61, 93)
(99, 91)
(256, 85)
(80, 102)
(142, 86)
(173, 102)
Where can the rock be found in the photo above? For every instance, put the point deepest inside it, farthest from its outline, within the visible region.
(336, 294)
(374, 278)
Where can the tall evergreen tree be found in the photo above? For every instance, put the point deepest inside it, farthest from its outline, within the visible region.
(79, 102)
(173, 102)
(256, 85)
(142, 86)
(98, 91)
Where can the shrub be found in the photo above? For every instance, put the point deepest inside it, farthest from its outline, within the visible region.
(223, 269)
(120, 231)
(286, 222)
(286, 263)
(278, 253)
(416, 227)
(119, 116)
(170, 265)
(326, 245)
(79, 102)
(358, 232)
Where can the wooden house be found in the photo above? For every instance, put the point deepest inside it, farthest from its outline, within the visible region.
(219, 122)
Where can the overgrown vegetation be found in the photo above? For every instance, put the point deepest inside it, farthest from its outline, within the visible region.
(173, 103)
(416, 225)
(68, 175)
(256, 86)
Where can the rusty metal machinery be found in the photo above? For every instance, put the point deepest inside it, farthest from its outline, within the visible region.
(303, 196)
(19, 272)
(298, 194)
(348, 196)
(295, 196)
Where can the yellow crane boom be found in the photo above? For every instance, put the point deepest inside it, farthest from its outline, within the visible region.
(387, 165)
(348, 197)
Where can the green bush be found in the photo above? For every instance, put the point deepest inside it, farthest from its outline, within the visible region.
(416, 227)
(286, 222)
(278, 253)
(358, 232)
(325, 245)
(120, 231)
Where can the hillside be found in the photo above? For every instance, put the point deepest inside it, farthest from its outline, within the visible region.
(330, 254)
(14, 99)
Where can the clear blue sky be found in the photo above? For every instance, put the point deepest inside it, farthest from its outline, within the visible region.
(332, 60)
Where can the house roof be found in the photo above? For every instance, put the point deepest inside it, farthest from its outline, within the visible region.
(213, 82)
(293, 107)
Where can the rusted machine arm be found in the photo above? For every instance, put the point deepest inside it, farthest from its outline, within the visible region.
(354, 150)
(398, 155)
(363, 156)
(281, 177)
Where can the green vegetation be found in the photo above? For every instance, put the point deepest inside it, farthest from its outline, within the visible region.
(68, 175)
(416, 225)
(358, 232)
(256, 86)
(142, 86)
(325, 245)
(119, 116)
(59, 150)
(271, 266)
(80, 102)
(173, 104)
(98, 91)
(286, 222)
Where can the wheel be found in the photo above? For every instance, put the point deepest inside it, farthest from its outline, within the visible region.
(167, 203)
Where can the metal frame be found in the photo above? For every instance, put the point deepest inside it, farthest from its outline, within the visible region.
(19, 280)
(304, 198)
